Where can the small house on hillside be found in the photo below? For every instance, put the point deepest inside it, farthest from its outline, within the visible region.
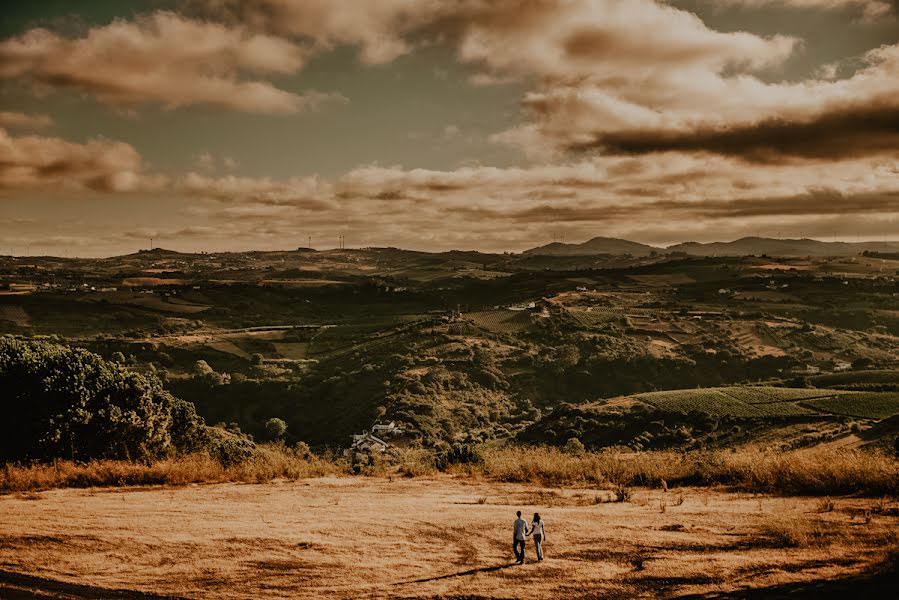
(804, 370)
(385, 429)
(366, 442)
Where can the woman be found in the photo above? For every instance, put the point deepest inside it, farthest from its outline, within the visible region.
(539, 535)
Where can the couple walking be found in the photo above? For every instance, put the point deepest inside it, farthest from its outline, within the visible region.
(520, 533)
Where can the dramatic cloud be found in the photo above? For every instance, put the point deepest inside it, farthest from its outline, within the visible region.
(99, 164)
(728, 115)
(640, 120)
(162, 58)
(832, 135)
(24, 121)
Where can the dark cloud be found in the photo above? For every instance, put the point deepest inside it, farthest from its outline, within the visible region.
(840, 134)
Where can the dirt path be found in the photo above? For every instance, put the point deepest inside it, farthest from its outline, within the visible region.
(422, 538)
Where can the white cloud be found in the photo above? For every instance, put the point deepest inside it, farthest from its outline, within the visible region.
(99, 164)
(163, 58)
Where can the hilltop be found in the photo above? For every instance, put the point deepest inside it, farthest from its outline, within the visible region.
(597, 245)
(756, 246)
(747, 246)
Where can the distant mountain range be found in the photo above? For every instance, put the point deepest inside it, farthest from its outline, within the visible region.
(741, 247)
(598, 245)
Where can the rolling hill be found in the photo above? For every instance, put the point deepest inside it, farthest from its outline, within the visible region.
(786, 247)
(597, 245)
(747, 246)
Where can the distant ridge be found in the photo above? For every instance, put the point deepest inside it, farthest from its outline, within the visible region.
(157, 252)
(786, 247)
(597, 245)
(742, 247)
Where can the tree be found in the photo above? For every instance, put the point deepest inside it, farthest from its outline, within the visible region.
(566, 357)
(257, 359)
(61, 402)
(275, 428)
(118, 357)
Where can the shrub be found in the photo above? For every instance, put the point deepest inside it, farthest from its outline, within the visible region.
(201, 367)
(230, 450)
(574, 446)
(622, 493)
(458, 454)
(275, 428)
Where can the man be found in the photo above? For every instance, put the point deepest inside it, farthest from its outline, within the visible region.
(519, 533)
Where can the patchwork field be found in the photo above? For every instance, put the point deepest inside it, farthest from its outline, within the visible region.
(437, 538)
(761, 402)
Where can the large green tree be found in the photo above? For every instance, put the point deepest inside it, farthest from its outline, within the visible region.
(61, 402)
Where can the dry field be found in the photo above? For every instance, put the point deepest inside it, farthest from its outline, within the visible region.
(439, 537)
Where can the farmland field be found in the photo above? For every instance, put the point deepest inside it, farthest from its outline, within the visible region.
(857, 377)
(708, 401)
(866, 405)
(501, 321)
(762, 402)
(770, 395)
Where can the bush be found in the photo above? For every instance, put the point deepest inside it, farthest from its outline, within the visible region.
(230, 450)
(574, 446)
(275, 428)
(61, 402)
(622, 493)
(201, 367)
(458, 454)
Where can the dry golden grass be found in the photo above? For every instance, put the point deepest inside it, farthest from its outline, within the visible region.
(820, 472)
(814, 472)
(435, 537)
(269, 463)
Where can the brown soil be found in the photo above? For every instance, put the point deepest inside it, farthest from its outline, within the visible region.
(434, 538)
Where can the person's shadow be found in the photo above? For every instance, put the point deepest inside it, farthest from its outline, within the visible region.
(460, 574)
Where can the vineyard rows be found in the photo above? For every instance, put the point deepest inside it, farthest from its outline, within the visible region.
(865, 405)
(501, 321)
(762, 402)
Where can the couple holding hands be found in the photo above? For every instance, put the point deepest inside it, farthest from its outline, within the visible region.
(520, 533)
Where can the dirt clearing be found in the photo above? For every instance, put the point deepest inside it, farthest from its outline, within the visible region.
(425, 538)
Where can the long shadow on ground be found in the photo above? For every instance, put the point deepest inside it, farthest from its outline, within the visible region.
(15, 586)
(881, 582)
(459, 574)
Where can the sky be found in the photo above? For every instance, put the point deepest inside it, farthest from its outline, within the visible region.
(492, 125)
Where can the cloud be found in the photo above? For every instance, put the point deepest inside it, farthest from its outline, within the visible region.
(204, 161)
(833, 134)
(310, 193)
(162, 58)
(661, 198)
(869, 9)
(99, 164)
(819, 118)
(494, 208)
(24, 120)
(379, 29)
